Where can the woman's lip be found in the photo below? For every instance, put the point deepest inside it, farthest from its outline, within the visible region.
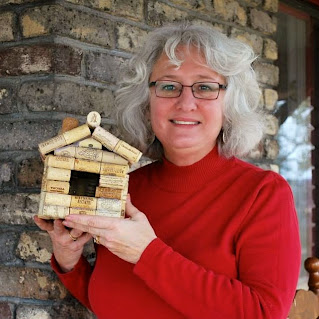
(185, 122)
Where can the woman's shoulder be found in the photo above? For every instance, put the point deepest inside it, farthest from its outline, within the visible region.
(143, 168)
(263, 173)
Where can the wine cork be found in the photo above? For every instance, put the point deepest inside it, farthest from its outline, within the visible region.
(109, 204)
(66, 151)
(125, 192)
(60, 162)
(41, 203)
(110, 157)
(54, 212)
(106, 138)
(90, 143)
(57, 187)
(109, 213)
(44, 183)
(57, 199)
(113, 181)
(127, 151)
(83, 202)
(87, 166)
(108, 192)
(58, 174)
(93, 119)
(89, 154)
(69, 123)
(114, 169)
(51, 144)
(77, 133)
(82, 211)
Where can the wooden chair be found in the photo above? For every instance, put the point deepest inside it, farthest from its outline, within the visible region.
(306, 302)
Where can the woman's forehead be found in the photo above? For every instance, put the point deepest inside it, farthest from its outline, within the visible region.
(189, 59)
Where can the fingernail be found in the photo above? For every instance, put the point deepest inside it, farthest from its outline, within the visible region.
(66, 223)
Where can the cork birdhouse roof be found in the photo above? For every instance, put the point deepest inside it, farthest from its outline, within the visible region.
(85, 171)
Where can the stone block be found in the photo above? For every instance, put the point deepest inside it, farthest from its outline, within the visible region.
(6, 311)
(271, 98)
(57, 20)
(230, 10)
(41, 58)
(65, 310)
(63, 96)
(160, 13)
(252, 3)
(6, 26)
(196, 5)
(30, 283)
(272, 125)
(35, 247)
(219, 27)
(267, 73)
(133, 10)
(8, 103)
(271, 5)
(7, 171)
(103, 5)
(30, 173)
(71, 310)
(18, 209)
(8, 242)
(271, 149)
(270, 49)
(254, 40)
(33, 312)
(26, 135)
(3, 2)
(102, 67)
(257, 152)
(129, 38)
(261, 102)
(263, 22)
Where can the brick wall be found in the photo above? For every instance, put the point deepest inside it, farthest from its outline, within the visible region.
(61, 58)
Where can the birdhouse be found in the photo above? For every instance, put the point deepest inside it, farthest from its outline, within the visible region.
(85, 171)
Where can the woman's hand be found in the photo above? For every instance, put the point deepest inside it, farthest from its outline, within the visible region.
(126, 238)
(67, 251)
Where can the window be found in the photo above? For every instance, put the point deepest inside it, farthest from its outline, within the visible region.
(294, 111)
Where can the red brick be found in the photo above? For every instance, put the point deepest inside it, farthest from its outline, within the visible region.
(30, 283)
(30, 173)
(41, 58)
(5, 311)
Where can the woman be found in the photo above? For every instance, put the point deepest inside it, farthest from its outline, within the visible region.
(207, 235)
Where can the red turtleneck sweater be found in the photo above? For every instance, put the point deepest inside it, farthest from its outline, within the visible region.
(228, 247)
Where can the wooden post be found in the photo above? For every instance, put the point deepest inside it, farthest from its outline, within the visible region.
(312, 266)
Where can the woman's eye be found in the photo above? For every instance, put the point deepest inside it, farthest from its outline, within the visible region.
(168, 87)
(204, 87)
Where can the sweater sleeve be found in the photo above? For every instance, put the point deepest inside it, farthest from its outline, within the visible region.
(267, 252)
(76, 280)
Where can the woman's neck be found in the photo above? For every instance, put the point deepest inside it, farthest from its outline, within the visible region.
(185, 156)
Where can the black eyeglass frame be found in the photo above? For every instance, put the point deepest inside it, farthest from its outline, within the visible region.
(220, 87)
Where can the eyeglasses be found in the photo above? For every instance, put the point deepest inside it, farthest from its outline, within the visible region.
(201, 90)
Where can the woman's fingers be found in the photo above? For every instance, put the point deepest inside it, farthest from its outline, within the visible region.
(43, 224)
(90, 224)
(130, 209)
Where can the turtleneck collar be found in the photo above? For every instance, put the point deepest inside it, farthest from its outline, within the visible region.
(182, 179)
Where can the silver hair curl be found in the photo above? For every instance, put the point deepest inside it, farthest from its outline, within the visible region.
(243, 122)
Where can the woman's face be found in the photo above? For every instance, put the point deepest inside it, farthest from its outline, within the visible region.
(186, 125)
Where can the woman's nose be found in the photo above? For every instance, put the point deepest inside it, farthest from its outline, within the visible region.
(186, 101)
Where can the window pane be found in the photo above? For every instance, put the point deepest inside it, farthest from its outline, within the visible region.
(294, 113)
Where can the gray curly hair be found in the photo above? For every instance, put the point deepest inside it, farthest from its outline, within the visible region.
(243, 123)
